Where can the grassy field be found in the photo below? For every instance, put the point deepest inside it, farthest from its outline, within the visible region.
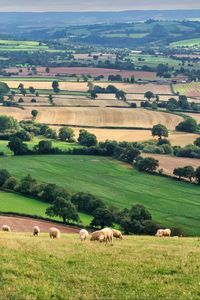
(10, 202)
(186, 43)
(60, 145)
(136, 268)
(171, 202)
(26, 46)
(153, 60)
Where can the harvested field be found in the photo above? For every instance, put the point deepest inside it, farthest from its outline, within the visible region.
(81, 102)
(85, 71)
(106, 117)
(194, 116)
(25, 224)
(169, 163)
(182, 138)
(83, 86)
(189, 89)
(17, 113)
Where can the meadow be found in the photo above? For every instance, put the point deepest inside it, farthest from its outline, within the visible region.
(24, 46)
(171, 202)
(135, 268)
(186, 43)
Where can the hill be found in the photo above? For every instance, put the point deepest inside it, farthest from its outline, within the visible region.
(171, 202)
(136, 268)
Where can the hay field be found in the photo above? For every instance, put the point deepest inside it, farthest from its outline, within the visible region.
(103, 117)
(189, 89)
(169, 163)
(83, 86)
(194, 116)
(17, 113)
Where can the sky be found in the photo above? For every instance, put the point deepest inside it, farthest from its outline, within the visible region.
(95, 5)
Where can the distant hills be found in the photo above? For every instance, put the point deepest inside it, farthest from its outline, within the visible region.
(15, 20)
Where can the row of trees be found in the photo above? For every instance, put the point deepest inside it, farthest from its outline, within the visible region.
(188, 172)
(66, 205)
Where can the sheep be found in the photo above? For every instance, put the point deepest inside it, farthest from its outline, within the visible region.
(107, 235)
(83, 234)
(117, 234)
(36, 230)
(96, 236)
(6, 228)
(163, 233)
(54, 233)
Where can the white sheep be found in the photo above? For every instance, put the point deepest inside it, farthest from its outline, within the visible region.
(36, 230)
(6, 228)
(83, 234)
(117, 234)
(107, 235)
(163, 232)
(96, 236)
(54, 233)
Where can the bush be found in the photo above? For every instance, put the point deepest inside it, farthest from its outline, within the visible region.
(8, 123)
(4, 175)
(10, 183)
(66, 134)
(147, 164)
(87, 139)
(189, 125)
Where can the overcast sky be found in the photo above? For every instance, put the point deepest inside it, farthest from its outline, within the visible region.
(95, 5)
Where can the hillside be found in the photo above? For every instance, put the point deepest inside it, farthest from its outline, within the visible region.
(135, 268)
(171, 202)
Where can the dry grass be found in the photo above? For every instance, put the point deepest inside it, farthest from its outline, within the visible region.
(169, 163)
(189, 89)
(136, 268)
(103, 117)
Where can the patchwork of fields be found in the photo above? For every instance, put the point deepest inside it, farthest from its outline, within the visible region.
(171, 202)
(189, 89)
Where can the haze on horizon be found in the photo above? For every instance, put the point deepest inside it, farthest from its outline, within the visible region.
(94, 5)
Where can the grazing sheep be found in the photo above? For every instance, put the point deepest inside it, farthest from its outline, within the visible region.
(36, 230)
(6, 228)
(97, 236)
(83, 234)
(117, 234)
(107, 234)
(163, 233)
(54, 233)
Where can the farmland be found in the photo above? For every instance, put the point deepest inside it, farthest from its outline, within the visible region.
(26, 46)
(76, 269)
(106, 117)
(189, 89)
(169, 163)
(187, 43)
(171, 202)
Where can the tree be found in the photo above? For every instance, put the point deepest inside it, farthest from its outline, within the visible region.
(50, 134)
(189, 172)
(51, 191)
(50, 97)
(8, 123)
(55, 86)
(140, 213)
(64, 209)
(188, 125)
(10, 183)
(102, 217)
(66, 134)
(26, 185)
(172, 104)
(34, 113)
(4, 88)
(17, 146)
(47, 70)
(197, 175)
(32, 90)
(183, 102)
(93, 94)
(197, 142)
(147, 164)
(159, 130)
(4, 175)
(149, 95)
(44, 147)
(23, 135)
(86, 138)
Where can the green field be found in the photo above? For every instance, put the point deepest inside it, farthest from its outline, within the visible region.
(17, 203)
(135, 268)
(171, 202)
(34, 142)
(153, 60)
(27, 46)
(186, 43)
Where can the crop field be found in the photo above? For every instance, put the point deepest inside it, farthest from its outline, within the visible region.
(143, 268)
(171, 202)
(106, 117)
(153, 60)
(12, 45)
(85, 71)
(189, 89)
(194, 116)
(18, 113)
(169, 163)
(186, 43)
(163, 89)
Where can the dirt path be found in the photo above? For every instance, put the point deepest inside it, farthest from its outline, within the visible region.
(25, 224)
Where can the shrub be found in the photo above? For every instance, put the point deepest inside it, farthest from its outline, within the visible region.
(147, 164)
(188, 125)
(87, 139)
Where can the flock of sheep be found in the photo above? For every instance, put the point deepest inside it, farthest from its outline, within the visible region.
(105, 235)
